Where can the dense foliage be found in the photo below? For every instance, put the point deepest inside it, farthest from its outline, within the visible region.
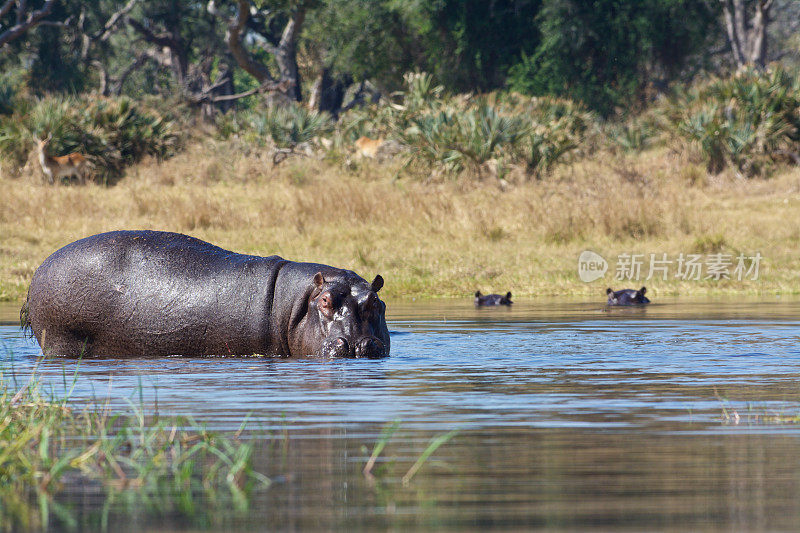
(604, 53)
(553, 73)
(608, 53)
(112, 134)
(749, 121)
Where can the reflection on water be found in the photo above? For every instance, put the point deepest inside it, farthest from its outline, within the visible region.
(570, 416)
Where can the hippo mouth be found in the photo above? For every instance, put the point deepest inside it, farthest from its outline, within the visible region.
(365, 347)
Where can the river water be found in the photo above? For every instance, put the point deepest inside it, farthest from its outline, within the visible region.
(683, 415)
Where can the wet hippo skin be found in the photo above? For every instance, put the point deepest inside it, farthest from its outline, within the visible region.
(627, 297)
(151, 293)
(492, 299)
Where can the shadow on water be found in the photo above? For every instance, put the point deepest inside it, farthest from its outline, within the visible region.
(679, 415)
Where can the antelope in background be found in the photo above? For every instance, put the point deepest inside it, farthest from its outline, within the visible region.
(367, 147)
(55, 167)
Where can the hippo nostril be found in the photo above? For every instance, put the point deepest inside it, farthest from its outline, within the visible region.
(370, 347)
(336, 348)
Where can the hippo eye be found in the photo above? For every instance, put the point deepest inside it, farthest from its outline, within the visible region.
(325, 304)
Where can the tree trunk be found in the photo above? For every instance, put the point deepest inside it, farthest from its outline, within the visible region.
(758, 52)
(285, 52)
(747, 35)
(170, 50)
(286, 55)
(328, 93)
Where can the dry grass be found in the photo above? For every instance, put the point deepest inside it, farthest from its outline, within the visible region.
(436, 239)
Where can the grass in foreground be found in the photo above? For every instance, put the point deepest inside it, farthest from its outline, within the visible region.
(49, 450)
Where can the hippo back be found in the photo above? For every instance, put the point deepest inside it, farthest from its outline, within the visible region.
(152, 293)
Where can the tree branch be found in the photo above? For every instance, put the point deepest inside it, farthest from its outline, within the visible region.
(105, 32)
(220, 82)
(206, 96)
(292, 28)
(233, 38)
(22, 8)
(162, 39)
(23, 24)
(56, 23)
(138, 62)
(5, 8)
(266, 45)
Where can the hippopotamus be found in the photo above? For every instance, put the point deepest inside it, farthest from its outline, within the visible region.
(492, 299)
(153, 293)
(627, 297)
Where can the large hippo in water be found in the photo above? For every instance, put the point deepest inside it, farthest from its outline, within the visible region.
(152, 293)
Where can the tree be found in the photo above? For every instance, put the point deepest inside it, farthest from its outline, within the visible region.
(783, 35)
(606, 52)
(363, 40)
(263, 24)
(23, 19)
(178, 33)
(469, 45)
(184, 39)
(746, 26)
(95, 28)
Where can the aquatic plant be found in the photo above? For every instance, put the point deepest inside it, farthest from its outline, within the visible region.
(171, 465)
(433, 445)
(387, 433)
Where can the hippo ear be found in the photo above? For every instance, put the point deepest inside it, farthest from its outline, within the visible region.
(319, 280)
(643, 290)
(609, 291)
(377, 283)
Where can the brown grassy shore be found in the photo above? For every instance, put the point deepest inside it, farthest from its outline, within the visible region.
(435, 239)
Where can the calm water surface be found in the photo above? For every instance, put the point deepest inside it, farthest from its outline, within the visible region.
(678, 416)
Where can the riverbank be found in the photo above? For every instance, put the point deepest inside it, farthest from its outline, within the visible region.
(445, 238)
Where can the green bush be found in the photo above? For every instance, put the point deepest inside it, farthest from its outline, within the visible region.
(454, 133)
(634, 135)
(454, 138)
(558, 128)
(111, 133)
(9, 90)
(749, 121)
(130, 130)
(545, 146)
(291, 125)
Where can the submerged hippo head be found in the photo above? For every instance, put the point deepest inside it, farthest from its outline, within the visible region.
(492, 299)
(346, 314)
(627, 297)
